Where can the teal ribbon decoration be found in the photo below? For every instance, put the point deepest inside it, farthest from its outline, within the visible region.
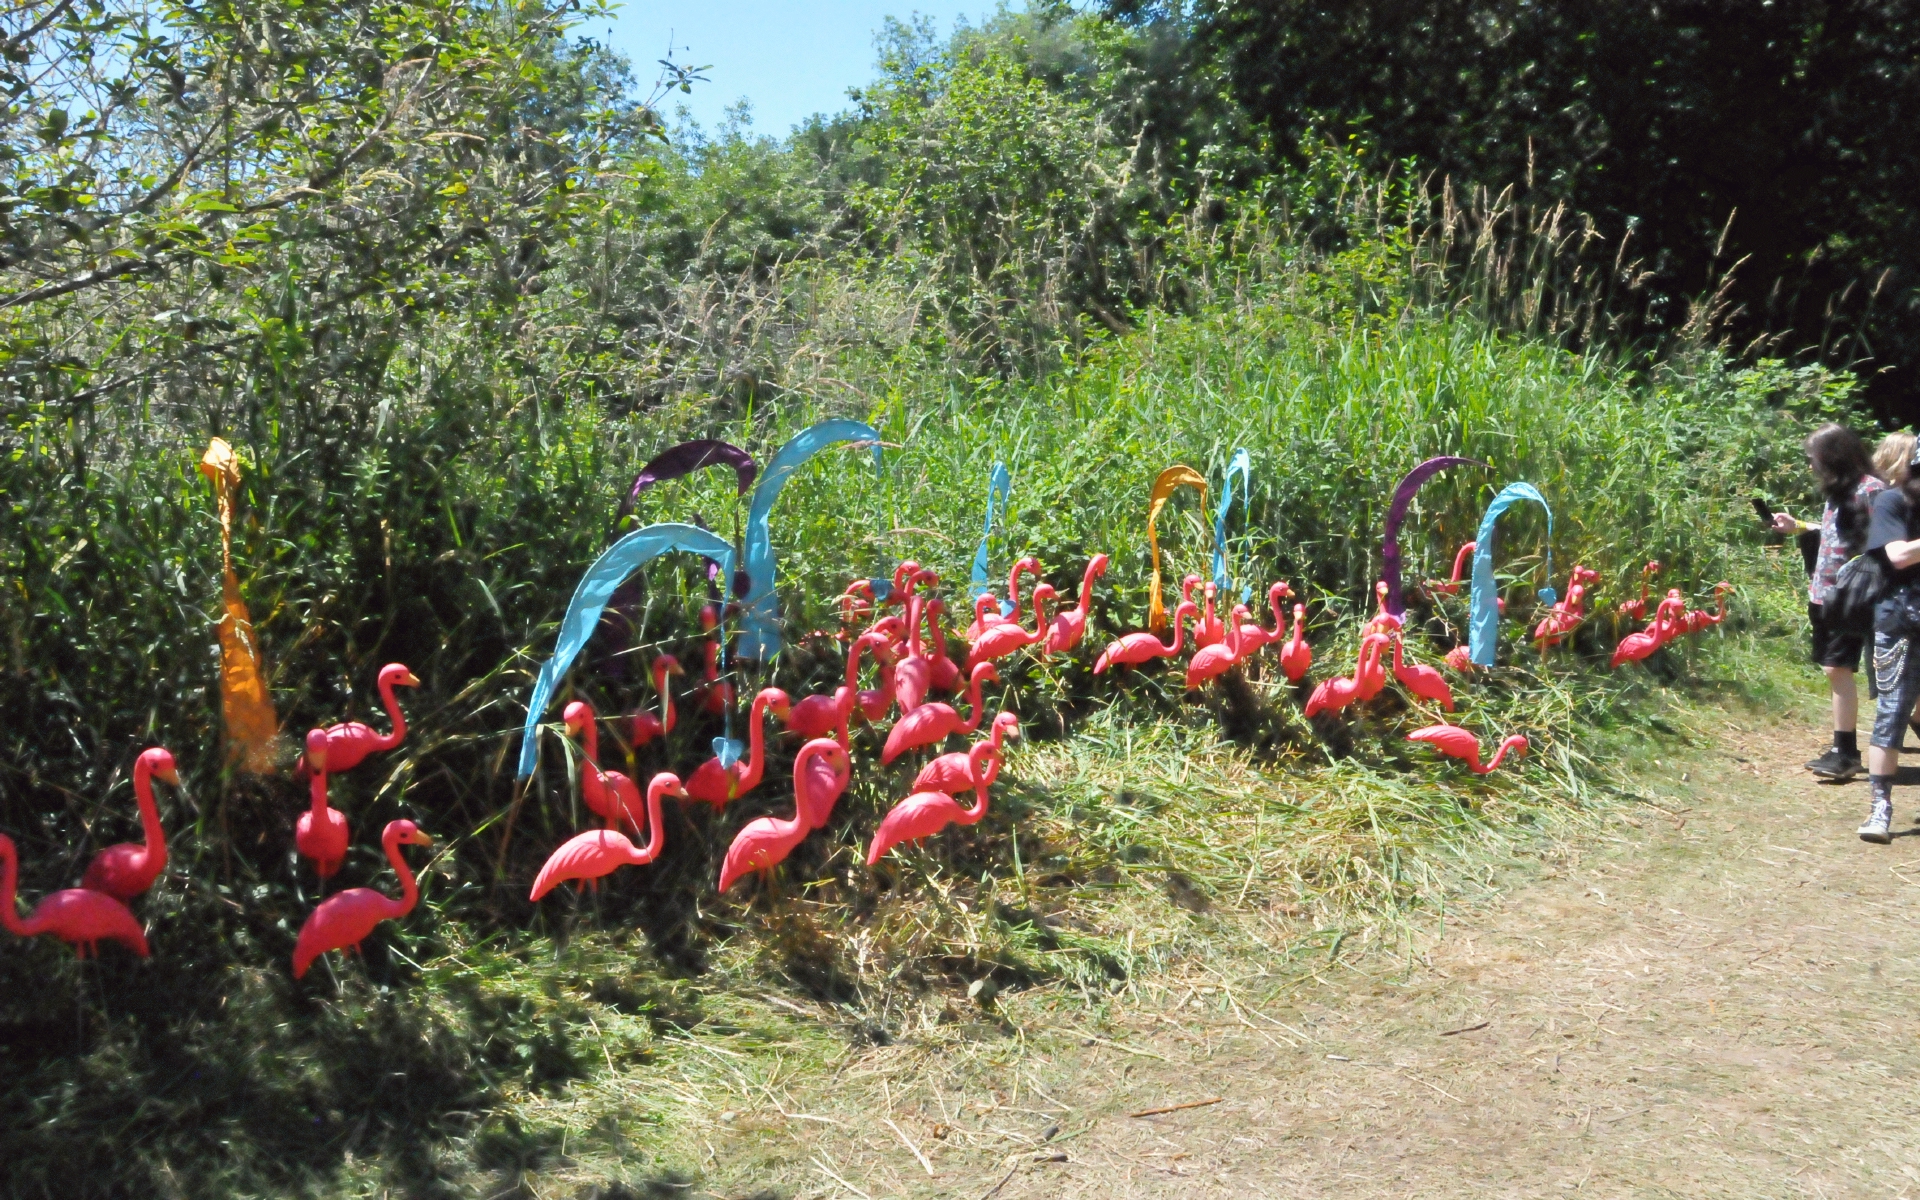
(1483, 621)
(1243, 463)
(760, 622)
(999, 483)
(596, 587)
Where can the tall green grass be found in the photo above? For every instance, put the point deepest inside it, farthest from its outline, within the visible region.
(440, 516)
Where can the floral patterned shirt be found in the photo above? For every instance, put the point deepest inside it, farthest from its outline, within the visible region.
(1834, 553)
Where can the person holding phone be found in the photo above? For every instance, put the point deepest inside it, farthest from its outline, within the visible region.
(1840, 464)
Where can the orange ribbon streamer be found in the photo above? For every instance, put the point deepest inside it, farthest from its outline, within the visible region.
(1163, 487)
(252, 727)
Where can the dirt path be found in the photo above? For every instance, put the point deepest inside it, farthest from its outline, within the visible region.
(1719, 1005)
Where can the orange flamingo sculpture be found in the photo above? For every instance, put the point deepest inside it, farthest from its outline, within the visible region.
(1296, 657)
(350, 742)
(1451, 587)
(126, 870)
(1637, 609)
(1071, 625)
(647, 727)
(610, 795)
(1135, 648)
(321, 832)
(1455, 742)
(1003, 639)
(80, 917)
(597, 853)
(818, 716)
(1422, 681)
(983, 617)
(715, 784)
(924, 814)
(764, 843)
(344, 920)
(953, 773)
(930, 724)
(1338, 692)
(1210, 662)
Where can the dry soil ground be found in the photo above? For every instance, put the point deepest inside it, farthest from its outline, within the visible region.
(1718, 1002)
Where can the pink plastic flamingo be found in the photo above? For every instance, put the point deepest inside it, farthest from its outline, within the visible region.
(1209, 630)
(1071, 625)
(1383, 621)
(126, 870)
(646, 726)
(1566, 616)
(983, 617)
(344, 920)
(818, 787)
(598, 852)
(1006, 637)
(716, 784)
(80, 917)
(1210, 662)
(1337, 693)
(818, 716)
(321, 832)
(913, 674)
(953, 773)
(930, 724)
(1253, 637)
(926, 813)
(1296, 657)
(1135, 648)
(1637, 609)
(715, 695)
(873, 703)
(1455, 742)
(1451, 587)
(1424, 682)
(764, 843)
(610, 795)
(943, 674)
(350, 742)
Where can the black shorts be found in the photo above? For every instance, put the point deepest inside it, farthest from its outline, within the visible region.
(1832, 647)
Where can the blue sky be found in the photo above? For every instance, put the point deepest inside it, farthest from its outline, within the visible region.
(789, 58)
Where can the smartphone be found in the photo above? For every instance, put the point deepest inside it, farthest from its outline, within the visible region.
(1764, 510)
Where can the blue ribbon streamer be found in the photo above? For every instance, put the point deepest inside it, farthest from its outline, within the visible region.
(590, 598)
(1484, 617)
(1243, 463)
(999, 483)
(760, 623)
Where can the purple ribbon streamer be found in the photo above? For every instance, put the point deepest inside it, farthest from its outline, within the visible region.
(1402, 500)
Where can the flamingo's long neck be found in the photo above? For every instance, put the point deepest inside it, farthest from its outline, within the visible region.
(409, 890)
(1181, 616)
(1460, 560)
(1512, 743)
(399, 720)
(9, 877)
(1013, 589)
(939, 634)
(149, 811)
(914, 609)
(979, 679)
(1086, 589)
(1040, 601)
(590, 742)
(666, 697)
(1299, 630)
(853, 662)
(317, 792)
(656, 828)
(984, 767)
(747, 780)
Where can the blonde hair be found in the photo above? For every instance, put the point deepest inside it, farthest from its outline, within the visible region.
(1891, 458)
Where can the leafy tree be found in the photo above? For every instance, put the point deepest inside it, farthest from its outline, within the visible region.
(1779, 136)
